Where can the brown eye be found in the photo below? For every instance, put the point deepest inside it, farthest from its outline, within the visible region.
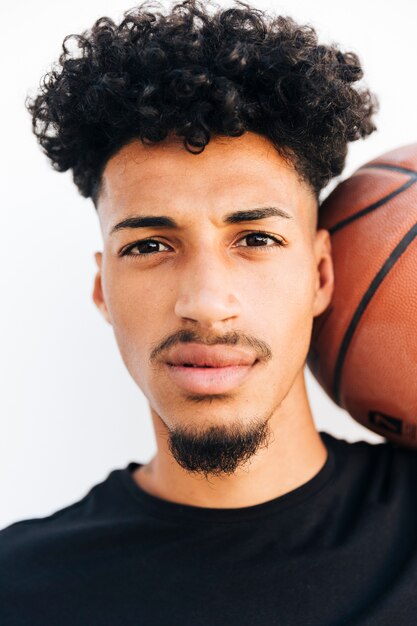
(145, 247)
(255, 238)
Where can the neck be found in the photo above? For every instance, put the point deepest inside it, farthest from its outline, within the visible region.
(294, 455)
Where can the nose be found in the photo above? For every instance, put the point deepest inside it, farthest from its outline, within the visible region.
(206, 294)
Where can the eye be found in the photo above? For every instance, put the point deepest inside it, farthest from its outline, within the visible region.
(255, 239)
(256, 236)
(146, 247)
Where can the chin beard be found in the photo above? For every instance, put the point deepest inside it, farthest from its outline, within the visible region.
(218, 450)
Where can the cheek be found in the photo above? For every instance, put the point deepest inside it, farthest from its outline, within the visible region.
(132, 299)
(133, 305)
(287, 300)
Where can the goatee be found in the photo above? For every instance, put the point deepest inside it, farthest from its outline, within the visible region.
(218, 450)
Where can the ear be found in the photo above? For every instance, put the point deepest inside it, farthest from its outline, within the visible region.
(98, 297)
(325, 275)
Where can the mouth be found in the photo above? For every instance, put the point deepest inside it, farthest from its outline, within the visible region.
(200, 365)
(207, 379)
(209, 369)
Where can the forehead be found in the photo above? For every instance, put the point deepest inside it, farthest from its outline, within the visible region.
(231, 172)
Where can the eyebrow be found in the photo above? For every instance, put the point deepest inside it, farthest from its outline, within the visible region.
(250, 215)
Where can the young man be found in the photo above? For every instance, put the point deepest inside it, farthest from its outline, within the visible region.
(204, 140)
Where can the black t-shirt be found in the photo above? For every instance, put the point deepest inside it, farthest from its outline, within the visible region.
(339, 549)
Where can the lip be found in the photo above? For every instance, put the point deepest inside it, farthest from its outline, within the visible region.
(215, 356)
(209, 380)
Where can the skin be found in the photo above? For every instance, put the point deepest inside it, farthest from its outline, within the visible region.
(205, 278)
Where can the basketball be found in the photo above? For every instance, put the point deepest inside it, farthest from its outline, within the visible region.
(363, 349)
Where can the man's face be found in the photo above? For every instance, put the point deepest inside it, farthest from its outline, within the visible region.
(215, 287)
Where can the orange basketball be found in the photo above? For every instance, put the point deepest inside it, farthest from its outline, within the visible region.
(364, 346)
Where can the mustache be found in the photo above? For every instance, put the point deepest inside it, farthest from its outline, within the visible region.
(232, 338)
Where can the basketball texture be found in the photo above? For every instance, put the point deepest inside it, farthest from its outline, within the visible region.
(364, 345)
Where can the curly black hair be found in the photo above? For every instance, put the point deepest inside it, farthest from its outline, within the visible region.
(197, 73)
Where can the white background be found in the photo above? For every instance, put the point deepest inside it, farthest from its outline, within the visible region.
(69, 411)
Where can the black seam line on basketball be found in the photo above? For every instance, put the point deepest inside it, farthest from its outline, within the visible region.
(379, 277)
(389, 166)
(373, 206)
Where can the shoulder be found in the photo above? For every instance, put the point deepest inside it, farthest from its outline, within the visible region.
(45, 544)
(385, 469)
(366, 449)
(28, 538)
